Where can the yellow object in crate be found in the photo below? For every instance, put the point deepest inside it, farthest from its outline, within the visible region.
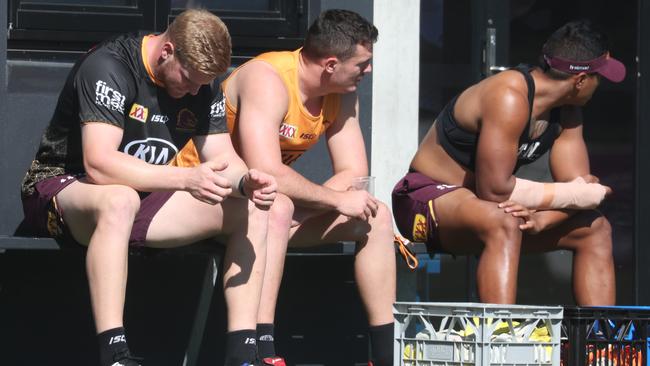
(470, 334)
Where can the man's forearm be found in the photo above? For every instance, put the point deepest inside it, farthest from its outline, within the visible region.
(341, 180)
(576, 194)
(235, 172)
(304, 192)
(119, 168)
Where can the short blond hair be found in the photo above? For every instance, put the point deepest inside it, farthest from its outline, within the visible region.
(201, 41)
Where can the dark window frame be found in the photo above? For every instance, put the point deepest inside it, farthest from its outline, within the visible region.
(38, 29)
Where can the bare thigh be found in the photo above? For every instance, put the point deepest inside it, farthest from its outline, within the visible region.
(462, 219)
(569, 234)
(81, 203)
(183, 220)
(317, 227)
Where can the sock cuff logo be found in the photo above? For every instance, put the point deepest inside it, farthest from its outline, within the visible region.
(117, 339)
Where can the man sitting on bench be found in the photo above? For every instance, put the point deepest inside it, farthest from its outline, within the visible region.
(278, 105)
(461, 195)
(101, 175)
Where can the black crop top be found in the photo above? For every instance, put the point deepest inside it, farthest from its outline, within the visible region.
(461, 144)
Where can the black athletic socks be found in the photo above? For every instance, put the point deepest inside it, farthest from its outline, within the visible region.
(241, 347)
(265, 341)
(112, 343)
(381, 344)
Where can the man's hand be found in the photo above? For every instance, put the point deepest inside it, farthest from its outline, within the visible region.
(357, 204)
(260, 188)
(530, 224)
(593, 179)
(206, 185)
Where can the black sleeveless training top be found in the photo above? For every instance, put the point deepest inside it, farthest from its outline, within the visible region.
(461, 144)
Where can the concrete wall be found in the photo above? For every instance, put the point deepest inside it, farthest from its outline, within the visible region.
(395, 92)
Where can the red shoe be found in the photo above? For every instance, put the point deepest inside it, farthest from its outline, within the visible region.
(369, 363)
(274, 361)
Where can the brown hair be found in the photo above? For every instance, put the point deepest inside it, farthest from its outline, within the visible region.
(337, 32)
(201, 42)
(578, 40)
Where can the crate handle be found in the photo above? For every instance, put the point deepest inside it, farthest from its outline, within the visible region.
(502, 312)
(542, 313)
(419, 310)
(460, 311)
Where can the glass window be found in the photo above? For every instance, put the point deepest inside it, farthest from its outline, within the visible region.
(74, 25)
(249, 5)
(83, 2)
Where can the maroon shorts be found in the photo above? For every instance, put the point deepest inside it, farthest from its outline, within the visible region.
(414, 209)
(43, 218)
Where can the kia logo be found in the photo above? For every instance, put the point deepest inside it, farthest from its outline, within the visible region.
(152, 150)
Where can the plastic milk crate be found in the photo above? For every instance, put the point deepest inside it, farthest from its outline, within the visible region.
(466, 334)
(605, 336)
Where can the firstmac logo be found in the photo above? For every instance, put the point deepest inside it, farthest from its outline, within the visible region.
(109, 97)
(152, 150)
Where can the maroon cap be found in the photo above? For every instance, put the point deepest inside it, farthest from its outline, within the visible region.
(607, 66)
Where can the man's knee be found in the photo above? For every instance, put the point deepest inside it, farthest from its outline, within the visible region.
(281, 212)
(599, 237)
(119, 203)
(381, 225)
(499, 228)
(383, 221)
(602, 227)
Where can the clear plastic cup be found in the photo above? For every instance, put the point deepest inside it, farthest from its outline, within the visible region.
(366, 183)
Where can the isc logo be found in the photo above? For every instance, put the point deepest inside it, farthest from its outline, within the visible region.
(117, 339)
(160, 118)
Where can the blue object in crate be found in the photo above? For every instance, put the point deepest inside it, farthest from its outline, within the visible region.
(630, 335)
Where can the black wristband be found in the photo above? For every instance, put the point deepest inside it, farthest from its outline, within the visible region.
(240, 186)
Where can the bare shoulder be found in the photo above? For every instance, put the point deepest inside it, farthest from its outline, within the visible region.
(257, 77)
(257, 93)
(508, 84)
(504, 95)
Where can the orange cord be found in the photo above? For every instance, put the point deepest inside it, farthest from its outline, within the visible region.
(409, 257)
